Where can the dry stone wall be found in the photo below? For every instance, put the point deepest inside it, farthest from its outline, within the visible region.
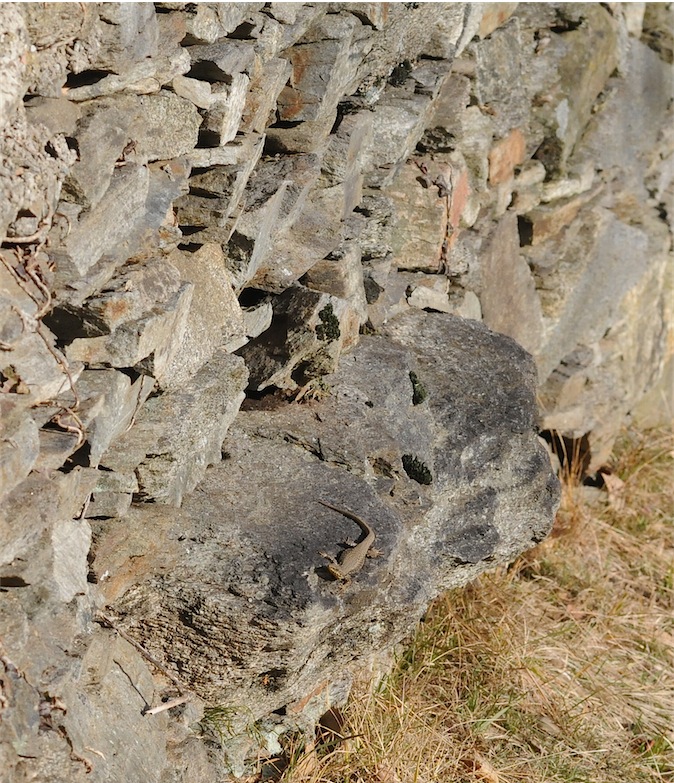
(353, 251)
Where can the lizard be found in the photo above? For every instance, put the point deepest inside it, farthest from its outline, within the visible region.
(351, 560)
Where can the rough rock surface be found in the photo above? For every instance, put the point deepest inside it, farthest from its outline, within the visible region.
(450, 482)
(299, 203)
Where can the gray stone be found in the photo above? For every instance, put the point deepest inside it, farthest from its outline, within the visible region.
(190, 423)
(420, 229)
(159, 426)
(427, 292)
(148, 343)
(112, 664)
(305, 17)
(323, 67)
(437, 30)
(344, 158)
(375, 232)
(305, 339)
(157, 127)
(102, 133)
(220, 62)
(19, 449)
(580, 180)
(257, 319)
(112, 495)
(341, 274)
(166, 126)
(542, 223)
(581, 294)
(12, 61)
(19, 299)
(32, 168)
(35, 370)
(455, 28)
(575, 70)
(286, 13)
(627, 128)
(207, 22)
(202, 25)
(143, 78)
(36, 505)
(276, 198)
(215, 318)
(128, 34)
(131, 294)
(197, 92)
(508, 297)
(594, 387)
(71, 540)
(51, 28)
(222, 120)
(131, 219)
(266, 82)
(372, 14)
(104, 226)
(229, 590)
(391, 301)
(497, 62)
(492, 495)
(58, 115)
(121, 398)
(77, 419)
(468, 307)
(57, 445)
(398, 125)
(207, 213)
(309, 136)
(295, 175)
(317, 231)
(657, 31)
(656, 408)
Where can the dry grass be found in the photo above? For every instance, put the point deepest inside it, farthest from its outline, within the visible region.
(558, 669)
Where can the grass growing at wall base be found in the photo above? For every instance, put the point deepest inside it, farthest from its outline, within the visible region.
(558, 669)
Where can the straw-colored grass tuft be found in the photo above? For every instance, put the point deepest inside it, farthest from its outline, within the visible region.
(558, 669)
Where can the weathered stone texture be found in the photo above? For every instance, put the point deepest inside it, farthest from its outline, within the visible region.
(14, 45)
(215, 316)
(510, 304)
(199, 200)
(277, 606)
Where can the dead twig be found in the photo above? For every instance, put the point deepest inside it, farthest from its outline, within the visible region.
(77, 429)
(42, 307)
(168, 705)
(105, 619)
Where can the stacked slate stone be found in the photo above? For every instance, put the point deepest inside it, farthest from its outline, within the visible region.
(326, 203)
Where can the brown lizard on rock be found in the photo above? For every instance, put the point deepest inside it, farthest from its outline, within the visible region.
(351, 560)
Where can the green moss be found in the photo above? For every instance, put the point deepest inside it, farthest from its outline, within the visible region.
(416, 469)
(419, 392)
(328, 329)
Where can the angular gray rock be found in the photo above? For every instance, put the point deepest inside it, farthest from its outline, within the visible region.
(215, 318)
(140, 319)
(12, 61)
(199, 413)
(220, 62)
(304, 341)
(510, 303)
(130, 219)
(438, 451)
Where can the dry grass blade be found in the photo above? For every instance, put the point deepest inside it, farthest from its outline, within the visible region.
(558, 669)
